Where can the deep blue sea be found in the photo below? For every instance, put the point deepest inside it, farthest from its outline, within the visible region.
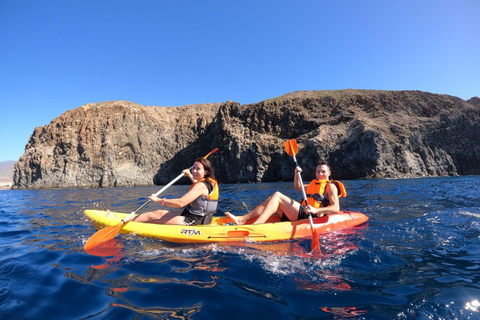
(418, 257)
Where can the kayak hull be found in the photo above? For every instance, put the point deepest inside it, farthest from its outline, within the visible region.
(222, 230)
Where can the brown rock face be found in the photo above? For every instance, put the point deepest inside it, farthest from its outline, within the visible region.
(362, 134)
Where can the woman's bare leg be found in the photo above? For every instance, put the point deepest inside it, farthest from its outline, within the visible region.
(161, 217)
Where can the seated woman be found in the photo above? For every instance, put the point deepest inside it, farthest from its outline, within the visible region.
(200, 201)
(322, 196)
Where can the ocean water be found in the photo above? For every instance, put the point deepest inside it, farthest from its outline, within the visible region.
(418, 257)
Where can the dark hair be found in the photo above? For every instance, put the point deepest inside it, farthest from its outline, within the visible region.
(323, 163)
(208, 168)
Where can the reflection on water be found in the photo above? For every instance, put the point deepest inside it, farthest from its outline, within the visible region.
(164, 313)
(418, 257)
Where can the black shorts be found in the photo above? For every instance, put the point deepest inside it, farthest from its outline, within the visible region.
(193, 219)
(301, 215)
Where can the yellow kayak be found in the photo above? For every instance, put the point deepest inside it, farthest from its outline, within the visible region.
(222, 230)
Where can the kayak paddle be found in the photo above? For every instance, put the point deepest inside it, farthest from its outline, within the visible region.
(108, 233)
(291, 148)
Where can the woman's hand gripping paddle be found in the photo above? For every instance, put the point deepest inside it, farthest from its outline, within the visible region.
(108, 233)
(291, 148)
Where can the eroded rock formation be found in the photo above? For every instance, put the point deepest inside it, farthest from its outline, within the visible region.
(361, 133)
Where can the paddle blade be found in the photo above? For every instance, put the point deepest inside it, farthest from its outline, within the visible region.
(102, 236)
(315, 242)
(291, 147)
(214, 150)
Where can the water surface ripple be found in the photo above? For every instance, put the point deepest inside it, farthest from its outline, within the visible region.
(418, 257)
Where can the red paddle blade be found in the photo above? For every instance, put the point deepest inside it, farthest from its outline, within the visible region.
(102, 236)
(291, 147)
(315, 242)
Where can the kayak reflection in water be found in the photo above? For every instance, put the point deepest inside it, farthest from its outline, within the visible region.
(322, 196)
(200, 201)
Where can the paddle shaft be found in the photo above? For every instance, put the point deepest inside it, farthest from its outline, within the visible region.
(156, 194)
(299, 176)
(291, 148)
(315, 244)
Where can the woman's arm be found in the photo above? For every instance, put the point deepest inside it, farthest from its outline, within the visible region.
(198, 190)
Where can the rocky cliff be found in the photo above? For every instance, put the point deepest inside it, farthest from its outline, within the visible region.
(361, 133)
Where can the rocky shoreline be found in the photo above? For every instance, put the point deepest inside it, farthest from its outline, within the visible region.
(6, 186)
(6, 174)
(362, 133)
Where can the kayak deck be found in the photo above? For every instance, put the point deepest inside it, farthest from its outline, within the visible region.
(223, 230)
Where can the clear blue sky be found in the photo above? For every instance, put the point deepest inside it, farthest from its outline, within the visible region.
(56, 55)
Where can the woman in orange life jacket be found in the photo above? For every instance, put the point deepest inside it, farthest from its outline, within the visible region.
(200, 201)
(319, 204)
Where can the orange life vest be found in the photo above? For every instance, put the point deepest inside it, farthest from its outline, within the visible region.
(205, 205)
(316, 192)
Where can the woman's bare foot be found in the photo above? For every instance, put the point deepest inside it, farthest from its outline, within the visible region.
(233, 217)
